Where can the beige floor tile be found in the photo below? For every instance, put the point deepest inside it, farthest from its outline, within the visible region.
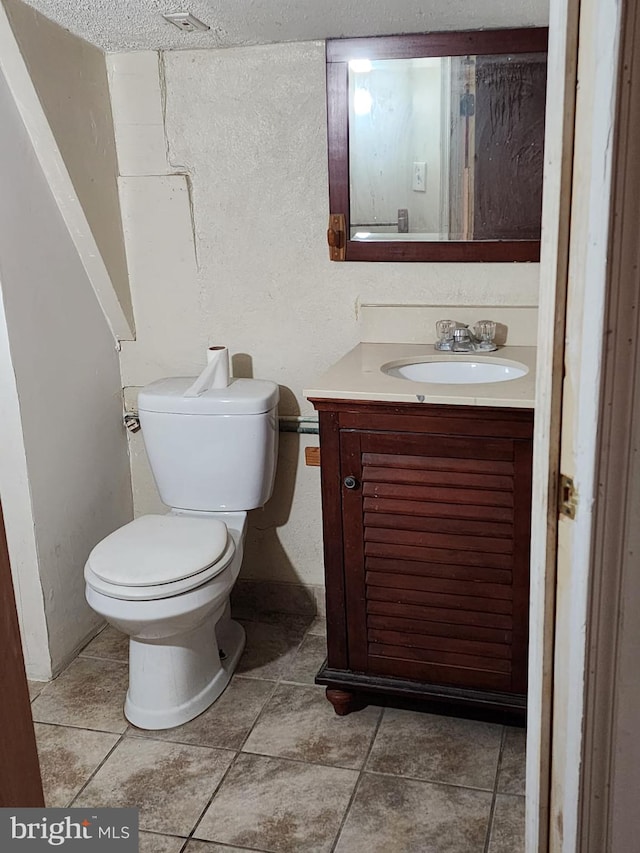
(35, 688)
(227, 722)
(308, 660)
(89, 694)
(299, 723)
(278, 806)
(437, 749)
(511, 779)
(295, 622)
(212, 847)
(507, 831)
(170, 783)
(150, 842)
(68, 757)
(404, 816)
(108, 645)
(270, 648)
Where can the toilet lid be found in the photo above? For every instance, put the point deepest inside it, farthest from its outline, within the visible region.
(158, 549)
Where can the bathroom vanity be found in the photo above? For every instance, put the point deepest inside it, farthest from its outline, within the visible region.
(426, 498)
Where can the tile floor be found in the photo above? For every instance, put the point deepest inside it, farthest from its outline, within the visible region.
(271, 768)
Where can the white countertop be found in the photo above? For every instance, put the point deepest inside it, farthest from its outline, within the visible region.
(359, 376)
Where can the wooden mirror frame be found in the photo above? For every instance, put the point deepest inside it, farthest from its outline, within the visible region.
(338, 54)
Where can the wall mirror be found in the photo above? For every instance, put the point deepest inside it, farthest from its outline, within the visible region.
(436, 146)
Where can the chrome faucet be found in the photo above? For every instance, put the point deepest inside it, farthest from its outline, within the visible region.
(454, 337)
(464, 340)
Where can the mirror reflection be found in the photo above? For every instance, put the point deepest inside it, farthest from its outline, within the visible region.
(446, 148)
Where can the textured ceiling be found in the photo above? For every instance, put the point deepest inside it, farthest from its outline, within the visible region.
(116, 25)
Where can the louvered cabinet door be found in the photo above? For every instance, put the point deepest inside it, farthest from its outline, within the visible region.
(436, 554)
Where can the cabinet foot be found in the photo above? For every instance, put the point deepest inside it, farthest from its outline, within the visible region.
(344, 701)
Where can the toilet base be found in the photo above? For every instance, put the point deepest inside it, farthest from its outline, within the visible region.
(170, 684)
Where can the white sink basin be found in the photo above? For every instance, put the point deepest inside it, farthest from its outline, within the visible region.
(460, 370)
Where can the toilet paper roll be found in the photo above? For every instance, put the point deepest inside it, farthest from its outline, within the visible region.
(215, 374)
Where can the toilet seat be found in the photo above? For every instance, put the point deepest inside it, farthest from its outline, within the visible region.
(158, 556)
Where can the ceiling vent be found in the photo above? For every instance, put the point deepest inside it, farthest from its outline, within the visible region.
(185, 22)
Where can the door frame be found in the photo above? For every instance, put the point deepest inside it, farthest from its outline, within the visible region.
(583, 118)
(608, 817)
(20, 781)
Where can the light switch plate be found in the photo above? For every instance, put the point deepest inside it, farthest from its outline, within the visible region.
(419, 177)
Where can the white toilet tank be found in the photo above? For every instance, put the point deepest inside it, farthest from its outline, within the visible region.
(215, 452)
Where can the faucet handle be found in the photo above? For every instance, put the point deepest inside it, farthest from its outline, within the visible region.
(445, 330)
(485, 331)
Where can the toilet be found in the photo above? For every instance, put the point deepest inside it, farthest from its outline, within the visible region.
(165, 580)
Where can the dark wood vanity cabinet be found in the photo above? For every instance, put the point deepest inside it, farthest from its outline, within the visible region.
(426, 514)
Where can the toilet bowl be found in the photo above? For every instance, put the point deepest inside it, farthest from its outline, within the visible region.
(165, 580)
(183, 644)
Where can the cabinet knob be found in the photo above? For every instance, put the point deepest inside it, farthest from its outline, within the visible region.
(350, 483)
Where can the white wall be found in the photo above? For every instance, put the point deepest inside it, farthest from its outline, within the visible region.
(231, 249)
(16, 506)
(70, 77)
(63, 391)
